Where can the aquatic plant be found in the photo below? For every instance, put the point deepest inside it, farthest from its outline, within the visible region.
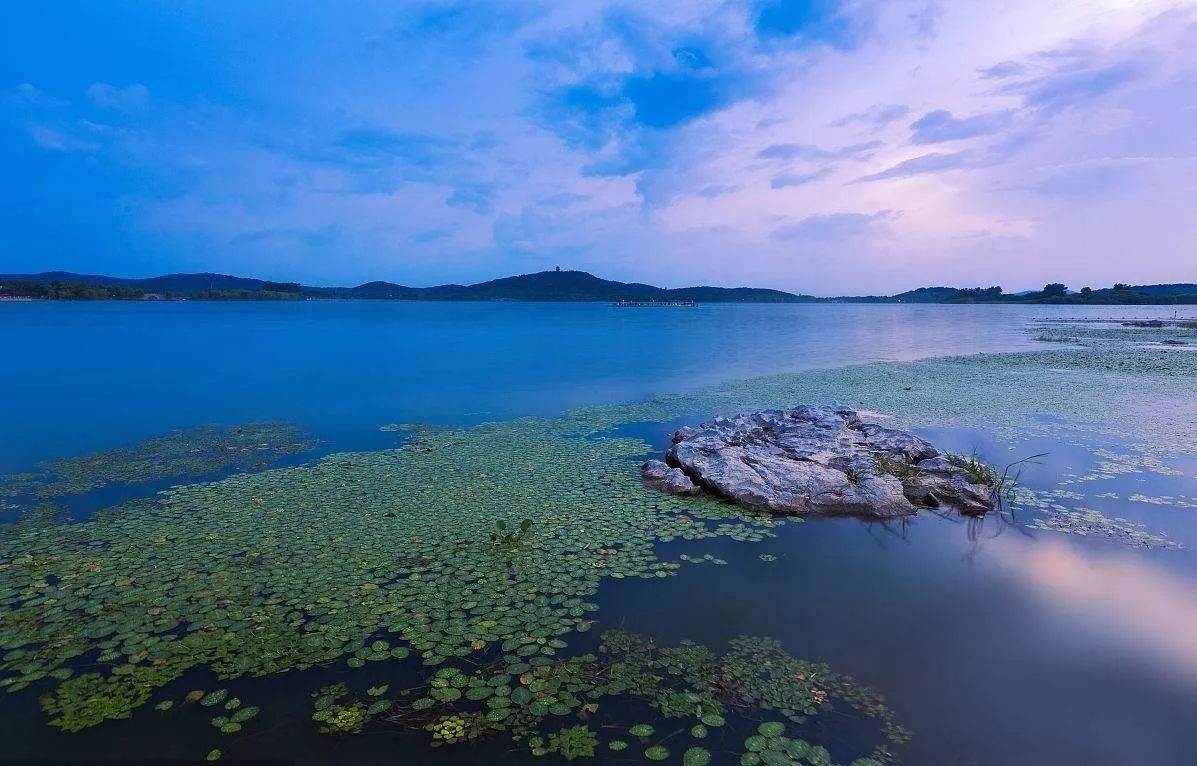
(572, 742)
(686, 680)
(501, 538)
(656, 752)
(976, 470)
(696, 756)
(342, 719)
(294, 568)
(193, 451)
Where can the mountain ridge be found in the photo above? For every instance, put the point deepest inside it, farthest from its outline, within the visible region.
(543, 286)
(537, 286)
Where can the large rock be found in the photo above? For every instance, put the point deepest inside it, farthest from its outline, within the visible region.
(658, 475)
(815, 460)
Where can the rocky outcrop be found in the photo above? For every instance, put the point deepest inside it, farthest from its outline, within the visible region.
(658, 475)
(814, 460)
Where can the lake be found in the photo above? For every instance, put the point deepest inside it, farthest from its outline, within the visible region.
(1058, 631)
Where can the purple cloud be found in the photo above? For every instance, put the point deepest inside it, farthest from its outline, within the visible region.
(784, 180)
(935, 162)
(808, 152)
(941, 125)
(833, 227)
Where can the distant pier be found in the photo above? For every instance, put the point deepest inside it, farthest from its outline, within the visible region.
(655, 304)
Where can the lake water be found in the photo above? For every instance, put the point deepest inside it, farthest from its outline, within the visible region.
(994, 644)
(85, 376)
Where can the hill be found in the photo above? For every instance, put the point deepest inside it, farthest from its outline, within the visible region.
(541, 286)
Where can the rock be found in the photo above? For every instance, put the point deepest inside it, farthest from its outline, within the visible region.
(813, 460)
(938, 464)
(658, 475)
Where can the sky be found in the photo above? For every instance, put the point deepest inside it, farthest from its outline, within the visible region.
(815, 146)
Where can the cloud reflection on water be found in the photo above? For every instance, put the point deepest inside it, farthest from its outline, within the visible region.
(1127, 595)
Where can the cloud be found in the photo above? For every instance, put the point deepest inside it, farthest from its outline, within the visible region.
(861, 151)
(941, 125)
(596, 131)
(926, 20)
(1002, 70)
(478, 197)
(935, 162)
(1086, 179)
(1064, 89)
(54, 140)
(877, 116)
(29, 95)
(784, 180)
(711, 191)
(124, 98)
(832, 227)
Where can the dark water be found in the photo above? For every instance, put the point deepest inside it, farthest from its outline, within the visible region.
(995, 644)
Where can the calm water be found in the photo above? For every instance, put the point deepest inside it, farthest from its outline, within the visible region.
(86, 376)
(994, 646)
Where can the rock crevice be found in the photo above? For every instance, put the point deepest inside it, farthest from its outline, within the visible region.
(814, 461)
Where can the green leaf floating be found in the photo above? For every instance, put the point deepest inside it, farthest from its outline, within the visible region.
(696, 756)
(772, 728)
(244, 714)
(214, 698)
(656, 753)
(641, 730)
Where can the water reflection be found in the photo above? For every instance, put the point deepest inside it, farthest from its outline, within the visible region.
(1128, 595)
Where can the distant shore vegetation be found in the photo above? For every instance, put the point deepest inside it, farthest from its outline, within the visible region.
(546, 286)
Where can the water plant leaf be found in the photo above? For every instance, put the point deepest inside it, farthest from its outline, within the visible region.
(696, 756)
(214, 697)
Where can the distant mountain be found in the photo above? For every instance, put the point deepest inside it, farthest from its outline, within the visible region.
(172, 283)
(541, 286)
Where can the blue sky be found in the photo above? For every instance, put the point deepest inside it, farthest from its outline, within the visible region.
(811, 145)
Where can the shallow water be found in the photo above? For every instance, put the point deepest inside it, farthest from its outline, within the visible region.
(995, 643)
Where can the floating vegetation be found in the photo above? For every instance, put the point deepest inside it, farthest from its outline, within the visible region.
(193, 452)
(337, 561)
(1072, 519)
(696, 756)
(683, 682)
(1090, 522)
(501, 538)
(573, 742)
(706, 558)
(214, 698)
(771, 747)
